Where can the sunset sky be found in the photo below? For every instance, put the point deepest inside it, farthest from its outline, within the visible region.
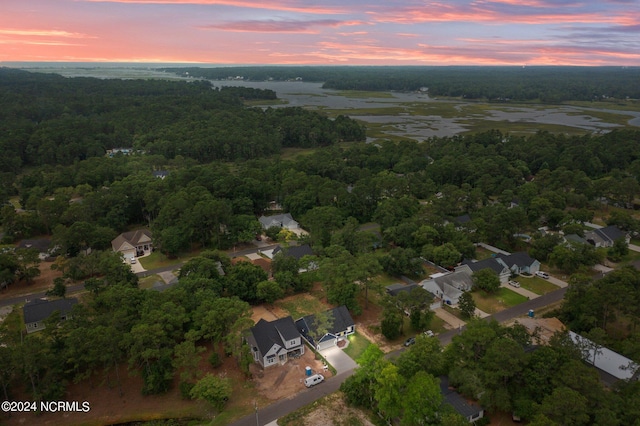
(329, 32)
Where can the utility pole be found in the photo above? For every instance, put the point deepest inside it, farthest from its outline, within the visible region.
(255, 406)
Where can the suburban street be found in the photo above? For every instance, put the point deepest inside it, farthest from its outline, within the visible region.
(274, 411)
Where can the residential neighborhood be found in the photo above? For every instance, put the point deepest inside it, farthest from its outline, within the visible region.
(182, 252)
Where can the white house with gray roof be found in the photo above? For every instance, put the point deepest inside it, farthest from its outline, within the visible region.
(284, 220)
(605, 237)
(448, 287)
(272, 343)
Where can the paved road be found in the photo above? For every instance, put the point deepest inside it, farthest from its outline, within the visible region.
(283, 407)
(278, 409)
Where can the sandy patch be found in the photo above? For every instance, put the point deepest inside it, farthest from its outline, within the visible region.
(282, 381)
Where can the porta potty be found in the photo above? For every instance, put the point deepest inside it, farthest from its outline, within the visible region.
(308, 371)
(530, 313)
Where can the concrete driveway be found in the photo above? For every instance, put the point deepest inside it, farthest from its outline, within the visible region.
(338, 359)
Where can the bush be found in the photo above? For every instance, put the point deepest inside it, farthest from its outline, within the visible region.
(215, 360)
(185, 389)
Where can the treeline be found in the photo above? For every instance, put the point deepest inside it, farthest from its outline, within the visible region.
(545, 84)
(48, 119)
(500, 367)
(157, 334)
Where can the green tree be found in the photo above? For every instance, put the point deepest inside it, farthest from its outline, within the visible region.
(215, 390)
(467, 305)
(391, 324)
(422, 400)
(269, 291)
(28, 264)
(388, 391)
(59, 288)
(486, 280)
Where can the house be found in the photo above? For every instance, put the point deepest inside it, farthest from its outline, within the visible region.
(43, 245)
(469, 410)
(395, 289)
(519, 263)
(605, 237)
(294, 251)
(298, 252)
(500, 268)
(342, 326)
(576, 239)
(279, 220)
(133, 243)
(160, 174)
(272, 343)
(448, 286)
(37, 311)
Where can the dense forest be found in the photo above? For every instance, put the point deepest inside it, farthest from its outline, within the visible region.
(544, 84)
(223, 171)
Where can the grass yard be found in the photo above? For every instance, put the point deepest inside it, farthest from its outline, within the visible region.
(437, 325)
(147, 282)
(501, 300)
(537, 285)
(301, 306)
(357, 345)
(159, 260)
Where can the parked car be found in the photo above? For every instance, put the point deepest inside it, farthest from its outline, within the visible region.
(134, 260)
(313, 380)
(429, 333)
(515, 284)
(542, 275)
(410, 341)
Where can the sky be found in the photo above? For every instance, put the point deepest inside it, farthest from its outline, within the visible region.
(329, 32)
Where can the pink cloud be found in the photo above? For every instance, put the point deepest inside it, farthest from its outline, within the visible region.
(280, 26)
(285, 6)
(481, 12)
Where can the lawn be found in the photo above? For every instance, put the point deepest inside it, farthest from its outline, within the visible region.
(159, 260)
(357, 345)
(537, 285)
(299, 307)
(147, 282)
(500, 300)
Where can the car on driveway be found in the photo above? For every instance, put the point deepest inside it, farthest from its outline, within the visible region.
(133, 260)
(410, 341)
(542, 275)
(429, 333)
(515, 284)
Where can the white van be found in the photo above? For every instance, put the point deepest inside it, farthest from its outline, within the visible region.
(313, 380)
(542, 275)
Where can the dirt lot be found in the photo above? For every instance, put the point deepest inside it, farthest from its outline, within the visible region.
(41, 283)
(331, 410)
(285, 380)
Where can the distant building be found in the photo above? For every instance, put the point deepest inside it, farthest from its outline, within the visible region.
(133, 243)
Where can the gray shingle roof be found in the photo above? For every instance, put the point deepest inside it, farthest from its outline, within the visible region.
(396, 288)
(520, 259)
(41, 309)
(267, 333)
(295, 251)
(453, 398)
(341, 321)
(491, 263)
(611, 232)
